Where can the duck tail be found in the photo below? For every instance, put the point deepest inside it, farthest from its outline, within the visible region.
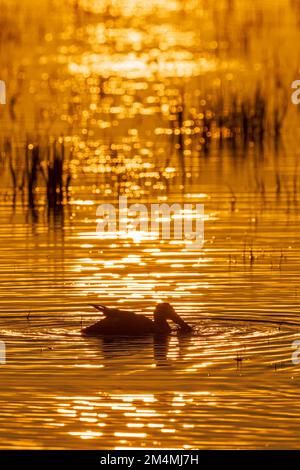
(100, 308)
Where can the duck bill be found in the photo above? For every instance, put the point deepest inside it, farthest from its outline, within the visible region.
(178, 320)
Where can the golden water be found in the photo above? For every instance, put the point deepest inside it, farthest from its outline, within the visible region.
(232, 383)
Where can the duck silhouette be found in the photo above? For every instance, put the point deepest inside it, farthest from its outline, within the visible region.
(126, 323)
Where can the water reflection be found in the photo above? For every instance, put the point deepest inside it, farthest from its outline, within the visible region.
(129, 348)
(173, 101)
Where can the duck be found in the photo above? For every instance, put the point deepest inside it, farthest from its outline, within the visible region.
(127, 323)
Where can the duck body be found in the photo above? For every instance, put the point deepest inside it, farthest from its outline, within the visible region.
(129, 324)
(126, 323)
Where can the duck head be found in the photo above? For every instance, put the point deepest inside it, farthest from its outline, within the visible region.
(164, 311)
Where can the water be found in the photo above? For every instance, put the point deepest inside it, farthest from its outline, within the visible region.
(232, 384)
